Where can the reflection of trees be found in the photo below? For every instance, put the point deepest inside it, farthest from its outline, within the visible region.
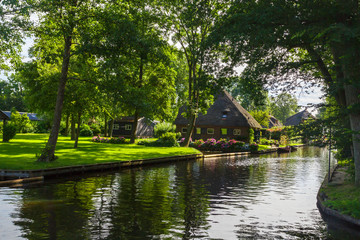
(57, 211)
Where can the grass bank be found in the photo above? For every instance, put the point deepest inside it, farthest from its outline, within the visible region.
(20, 153)
(342, 195)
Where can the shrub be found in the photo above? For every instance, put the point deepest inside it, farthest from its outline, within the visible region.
(85, 131)
(1, 126)
(251, 135)
(114, 140)
(169, 139)
(9, 132)
(95, 128)
(42, 127)
(264, 141)
(162, 128)
(253, 147)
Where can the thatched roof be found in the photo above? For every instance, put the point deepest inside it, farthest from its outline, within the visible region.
(236, 115)
(274, 122)
(297, 118)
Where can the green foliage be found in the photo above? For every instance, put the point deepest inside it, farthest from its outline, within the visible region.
(21, 121)
(283, 106)
(62, 130)
(262, 117)
(96, 129)
(162, 128)
(85, 131)
(251, 135)
(168, 139)
(9, 131)
(12, 96)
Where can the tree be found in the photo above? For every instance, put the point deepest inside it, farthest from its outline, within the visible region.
(191, 23)
(311, 41)
(262, 117)
(283, 106)
(64, 21)
(138, 72)
(12, 95)
(14, 16)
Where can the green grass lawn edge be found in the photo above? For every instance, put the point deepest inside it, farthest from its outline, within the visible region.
(344, 198)
(20, 152)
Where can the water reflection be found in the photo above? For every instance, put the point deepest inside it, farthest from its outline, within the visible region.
(266, 197)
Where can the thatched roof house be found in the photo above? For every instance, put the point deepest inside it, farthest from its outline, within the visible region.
(298, 118)
(226, 118)
(123, 127)
(274, 122)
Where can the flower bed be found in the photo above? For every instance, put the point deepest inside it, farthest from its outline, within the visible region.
(223, 145)
(114, 140)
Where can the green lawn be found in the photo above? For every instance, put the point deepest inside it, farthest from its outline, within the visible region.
(20, 153)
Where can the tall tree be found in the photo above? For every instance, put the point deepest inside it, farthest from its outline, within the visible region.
(311, 41)
(191, 23)
(138, 71)
(65, 20)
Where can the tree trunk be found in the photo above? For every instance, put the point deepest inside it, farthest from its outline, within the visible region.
(106, 125)
(48, 153)
(189, 130)
(67, 125)
(133, 132)
(78, 130)
(73, 127)
(111, 127)
(352, 98)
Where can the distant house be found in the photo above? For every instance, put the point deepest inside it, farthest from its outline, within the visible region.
(226, 118)
(274, 122)
(6, 116)
(124, 126)
(298, 118)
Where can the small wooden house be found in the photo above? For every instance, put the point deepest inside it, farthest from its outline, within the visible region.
(226, 118)
(124, 126)
(298, 118)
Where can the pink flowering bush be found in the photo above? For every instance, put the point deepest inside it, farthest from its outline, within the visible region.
(253, 147)
(114, 140)
(223, 145)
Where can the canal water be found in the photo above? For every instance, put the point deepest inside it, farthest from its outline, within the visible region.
(264, 197)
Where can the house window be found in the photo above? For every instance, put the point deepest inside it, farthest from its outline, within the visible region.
(128, 126)
(184, 130)
(198, 130)
(210, 131)
(116, 127)
(224, 115)
(224, 131)
(237, 131)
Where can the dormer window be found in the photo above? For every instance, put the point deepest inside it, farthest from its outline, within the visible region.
(224, 115)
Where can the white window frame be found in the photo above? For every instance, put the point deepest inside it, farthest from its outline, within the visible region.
(212, 131)
(237, 131)
(128, 127)
(116, 126)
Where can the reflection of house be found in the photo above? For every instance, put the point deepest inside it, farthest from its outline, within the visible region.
(226, 118)
(123, 127)
(6, 116)
(298, 118)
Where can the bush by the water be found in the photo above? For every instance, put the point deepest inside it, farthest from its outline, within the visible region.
(253, 147)
(162, 128)
(9, 132)
(114, 140)
(168, 139)
(223, 145)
